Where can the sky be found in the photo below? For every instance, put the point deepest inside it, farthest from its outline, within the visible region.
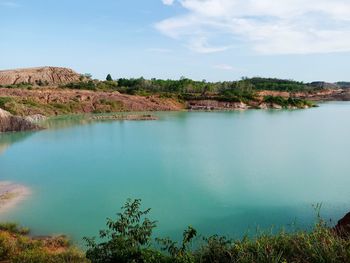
(215, 40)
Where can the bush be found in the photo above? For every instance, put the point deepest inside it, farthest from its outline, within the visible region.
(89, 85)
(16, 247)
(126, 239)
(4, 101)
(14, 228)
(285, 103)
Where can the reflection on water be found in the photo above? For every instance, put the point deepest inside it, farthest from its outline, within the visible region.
(54, 123)
(7, 139)
(63, 122)
(68, 121)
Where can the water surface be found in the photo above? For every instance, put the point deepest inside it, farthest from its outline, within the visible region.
(221, 172)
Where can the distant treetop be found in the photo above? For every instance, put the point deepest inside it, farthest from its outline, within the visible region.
(109, 77)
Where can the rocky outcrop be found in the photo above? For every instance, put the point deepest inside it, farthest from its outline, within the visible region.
(42, 76)
(10, 123)
(36, 118)
(215, 105)
(266, 106)
(343, 226)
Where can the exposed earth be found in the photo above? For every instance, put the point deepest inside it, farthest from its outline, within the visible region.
(40, 76)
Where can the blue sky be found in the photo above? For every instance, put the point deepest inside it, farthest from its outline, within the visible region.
(200, 39)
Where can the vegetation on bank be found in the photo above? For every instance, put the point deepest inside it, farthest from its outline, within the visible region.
(182, 90)
(244, 90)
(188, 86)
(24, 106)
(17, 247)
(288, 102)
(128, 238)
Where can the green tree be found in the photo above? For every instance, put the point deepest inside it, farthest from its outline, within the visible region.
(109, 77)
(127, 239)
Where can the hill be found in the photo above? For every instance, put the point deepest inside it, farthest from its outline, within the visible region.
(41, 76)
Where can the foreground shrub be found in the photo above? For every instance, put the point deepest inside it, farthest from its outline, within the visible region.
(16, 247)
(128, 239)
(14, 228)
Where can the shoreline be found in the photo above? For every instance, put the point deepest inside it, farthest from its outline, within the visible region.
(11, 194)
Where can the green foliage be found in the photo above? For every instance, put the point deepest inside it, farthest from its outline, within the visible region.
(181, 253)
(107, 85)
(126, 239)
(288, 102)
(245, 90)
(109, 77)
(88, 85)
(277, 84)
(14, 228)
(22, 85)
(244, 87)
(87, 76)
(92, 85)
(16, 247)
(4, 101)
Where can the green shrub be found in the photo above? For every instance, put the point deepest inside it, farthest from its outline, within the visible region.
(14, 228)
(286, 102)
(88, 85)
(4, 101)
(126, 239)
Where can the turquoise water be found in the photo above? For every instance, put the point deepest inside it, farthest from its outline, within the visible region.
(221, 172)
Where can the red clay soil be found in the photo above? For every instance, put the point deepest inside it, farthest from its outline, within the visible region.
(89, 101)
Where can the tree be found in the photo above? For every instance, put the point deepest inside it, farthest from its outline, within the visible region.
(109, 77)
(126, 239)
(87, 76)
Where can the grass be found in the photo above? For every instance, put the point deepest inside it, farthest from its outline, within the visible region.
(14, 228)
(128, 239)
(4, 101)
(288, 102)
(18, 86)
(30, 106)
(17, 247)
(321, 245)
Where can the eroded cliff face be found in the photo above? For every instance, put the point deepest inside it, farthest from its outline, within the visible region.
(10, 123)
(53, 101)
(40, 76)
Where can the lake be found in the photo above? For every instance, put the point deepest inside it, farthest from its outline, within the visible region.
(221, 172)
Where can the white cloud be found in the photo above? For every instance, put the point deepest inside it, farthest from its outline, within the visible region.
(168, 2)
(266, 26)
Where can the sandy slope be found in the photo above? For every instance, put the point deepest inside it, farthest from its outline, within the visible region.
(11, 194)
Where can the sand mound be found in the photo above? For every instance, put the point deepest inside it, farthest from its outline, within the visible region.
(40, 76)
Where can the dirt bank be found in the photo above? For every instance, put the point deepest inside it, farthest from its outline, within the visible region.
(10, 123)
(50, 102)
(11, 194)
